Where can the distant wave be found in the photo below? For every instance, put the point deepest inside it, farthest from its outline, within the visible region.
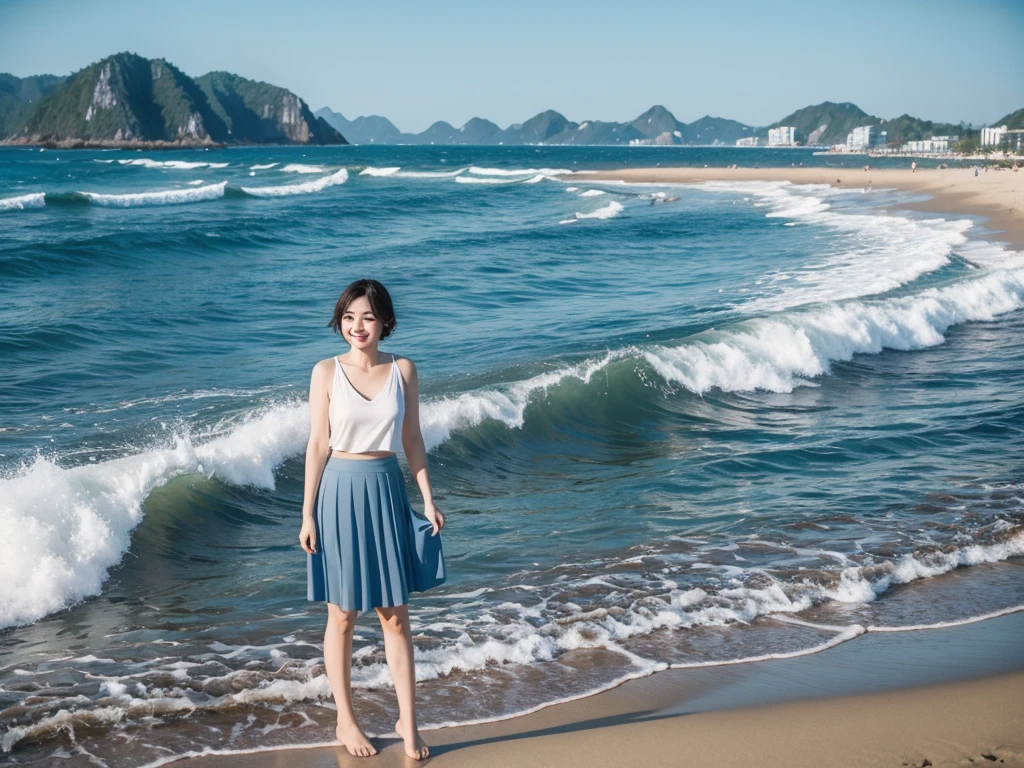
(164, 197)
(21, 202)
(614, 208)
(371, 171)
(262, 167)
(196, 194)
(477, 180)
(593, 193)
(478, 171)
(430, 174)
(339, 177)
(300, 168)
(181, 165)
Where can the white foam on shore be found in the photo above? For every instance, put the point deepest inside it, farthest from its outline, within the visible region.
(855, 587)
(614, 208)
(21, 202)
(163, 197)
(371, 171)
(317, 185)
(302, 168)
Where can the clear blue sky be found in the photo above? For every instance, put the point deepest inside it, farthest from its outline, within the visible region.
(420, 62)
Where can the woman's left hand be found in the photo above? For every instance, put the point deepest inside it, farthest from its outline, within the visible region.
(434, 515)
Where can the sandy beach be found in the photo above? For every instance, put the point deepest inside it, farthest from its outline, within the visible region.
(995, 195)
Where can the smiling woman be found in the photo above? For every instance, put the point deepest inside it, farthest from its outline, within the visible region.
(365, 549)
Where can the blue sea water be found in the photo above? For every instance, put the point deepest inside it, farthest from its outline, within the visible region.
(667, 425)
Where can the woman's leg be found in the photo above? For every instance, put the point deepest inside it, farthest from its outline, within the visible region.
(338, 660)
(398, 649)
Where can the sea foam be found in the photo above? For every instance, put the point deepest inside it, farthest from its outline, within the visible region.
(21, 202)
(781, 352)
(68, 526)
(163, 197)
(302, 168)
(614, 208)
(339, 177)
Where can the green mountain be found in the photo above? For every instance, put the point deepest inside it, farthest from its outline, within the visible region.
(17, 95)
(708, 130)
(1013, 121)
(827, 123)
(597, 132)
(127, 99)
(906, 128)
(260, 113)
(656, 122)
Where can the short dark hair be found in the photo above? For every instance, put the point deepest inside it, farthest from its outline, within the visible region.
(380, 304)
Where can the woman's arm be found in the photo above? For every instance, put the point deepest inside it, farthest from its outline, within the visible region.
(412, 443)
(318, 449)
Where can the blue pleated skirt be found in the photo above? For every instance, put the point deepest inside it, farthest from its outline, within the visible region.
(371, 548)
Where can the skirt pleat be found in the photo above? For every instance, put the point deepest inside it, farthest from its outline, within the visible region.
(370, 551)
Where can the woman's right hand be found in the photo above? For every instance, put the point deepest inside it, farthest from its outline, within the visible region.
(307, 536)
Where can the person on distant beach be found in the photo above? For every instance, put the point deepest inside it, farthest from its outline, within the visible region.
(913, 166)
(365, 546)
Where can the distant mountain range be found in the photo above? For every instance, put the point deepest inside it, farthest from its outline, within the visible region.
(655, 126)
(822, 124)
(127, 100)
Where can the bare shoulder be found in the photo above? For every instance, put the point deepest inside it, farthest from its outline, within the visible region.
(406, 366)
(324, 366)
(323, 370)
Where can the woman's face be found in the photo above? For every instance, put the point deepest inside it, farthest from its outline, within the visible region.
(359, 326)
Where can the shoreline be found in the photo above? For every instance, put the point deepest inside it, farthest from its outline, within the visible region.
(948, 695)
(996, 195)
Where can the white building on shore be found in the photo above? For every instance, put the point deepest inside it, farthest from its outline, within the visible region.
(992, 137)
(859, 138)
(749, 141)
(939, 144)
(783, 136)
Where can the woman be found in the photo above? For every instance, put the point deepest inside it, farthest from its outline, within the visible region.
(365, 547)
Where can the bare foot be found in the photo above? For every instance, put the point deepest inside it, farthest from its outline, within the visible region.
(354, 740)
(415, 747)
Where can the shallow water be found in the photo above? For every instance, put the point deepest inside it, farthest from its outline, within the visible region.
(658, 430)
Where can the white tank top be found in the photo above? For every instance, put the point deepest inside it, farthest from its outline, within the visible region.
(359, 425)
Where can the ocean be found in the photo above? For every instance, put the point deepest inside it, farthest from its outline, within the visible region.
(668, 426)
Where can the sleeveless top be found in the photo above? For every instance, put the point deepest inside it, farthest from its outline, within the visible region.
(359, 425)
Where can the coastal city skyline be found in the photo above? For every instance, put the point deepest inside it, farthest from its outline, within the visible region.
(587, 63)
